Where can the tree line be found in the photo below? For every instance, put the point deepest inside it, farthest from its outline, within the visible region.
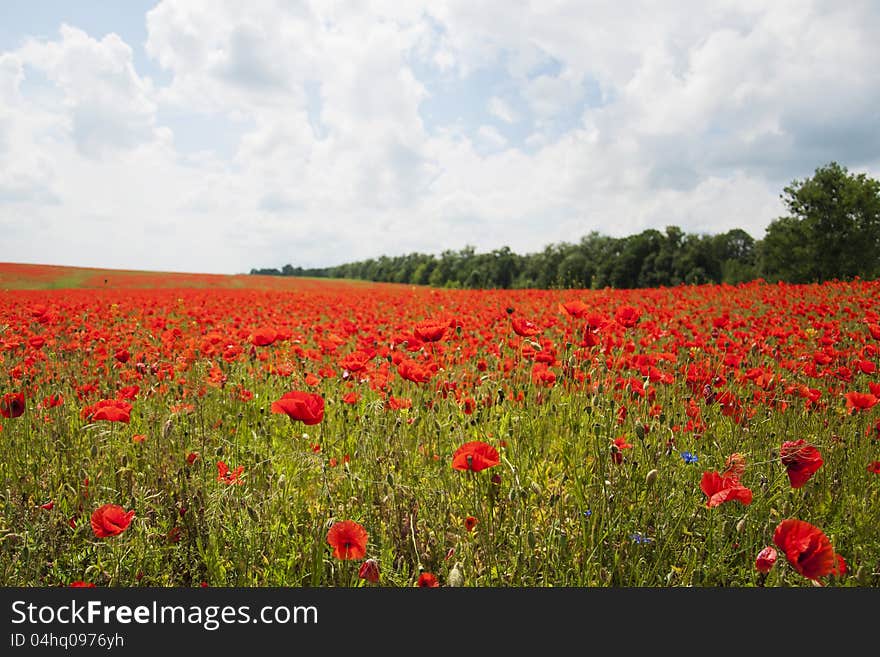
(832, 231)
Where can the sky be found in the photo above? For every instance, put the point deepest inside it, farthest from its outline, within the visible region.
(218, 136)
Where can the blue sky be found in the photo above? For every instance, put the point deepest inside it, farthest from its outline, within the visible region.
(194, 135)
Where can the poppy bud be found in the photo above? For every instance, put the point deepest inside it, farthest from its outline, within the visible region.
(651, 477)
(765, 560)
(455, 576)
(369, 571)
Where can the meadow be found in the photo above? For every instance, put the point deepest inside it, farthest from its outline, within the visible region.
(192, 430)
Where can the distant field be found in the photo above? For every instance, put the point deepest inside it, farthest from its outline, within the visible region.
(15, 276)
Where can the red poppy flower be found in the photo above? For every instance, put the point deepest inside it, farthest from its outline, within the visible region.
(227, 476)
(800, 460)
(110, 520)
(356, 361)
(806, 547)
(617, 446)
(867, 367)
(523, 327)
(859, 401)
(874, 467)
(469, 523)
(627, 316)
(765, 560)
(79, 584)
(427, 581)
(348, 540)
(475, 456)
(576, 309)
(431, 330)
(263, 337)
(724, 489)
(413, 371)
(192, 457)
(369, 571)
(305, 407)
(51, 401)
(351, 398)
(12, 404)
(111, 410)
(397, 403)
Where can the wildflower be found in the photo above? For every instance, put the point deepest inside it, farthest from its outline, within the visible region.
(800, 460)
(348, 540)
(263, 337)
(724, 489)
(428, 581)
(524, 327)
(687, 457)
(111, 410)
(806, 547)
(469, 523)
(305, 407)
(430, 330)
(859, 401)
(110, 520)
(627, 316)
(616, 447)
(12, 405)
(576, 309)
(229, 477)
(475, 456)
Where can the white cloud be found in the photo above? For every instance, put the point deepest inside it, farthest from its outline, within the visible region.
(490, 136)
(106, 104)
(499, 108)
(705, 111)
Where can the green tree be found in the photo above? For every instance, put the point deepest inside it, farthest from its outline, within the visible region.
(832, 231)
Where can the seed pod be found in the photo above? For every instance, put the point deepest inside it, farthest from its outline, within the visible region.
(651, 477)
(456, 578)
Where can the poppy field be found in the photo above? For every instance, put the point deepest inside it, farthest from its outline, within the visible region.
(256, 431)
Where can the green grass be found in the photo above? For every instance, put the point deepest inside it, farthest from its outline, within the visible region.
(564, 514)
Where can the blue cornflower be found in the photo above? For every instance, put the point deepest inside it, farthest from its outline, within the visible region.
(588, 513)
(689, 458)
(638, 538)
